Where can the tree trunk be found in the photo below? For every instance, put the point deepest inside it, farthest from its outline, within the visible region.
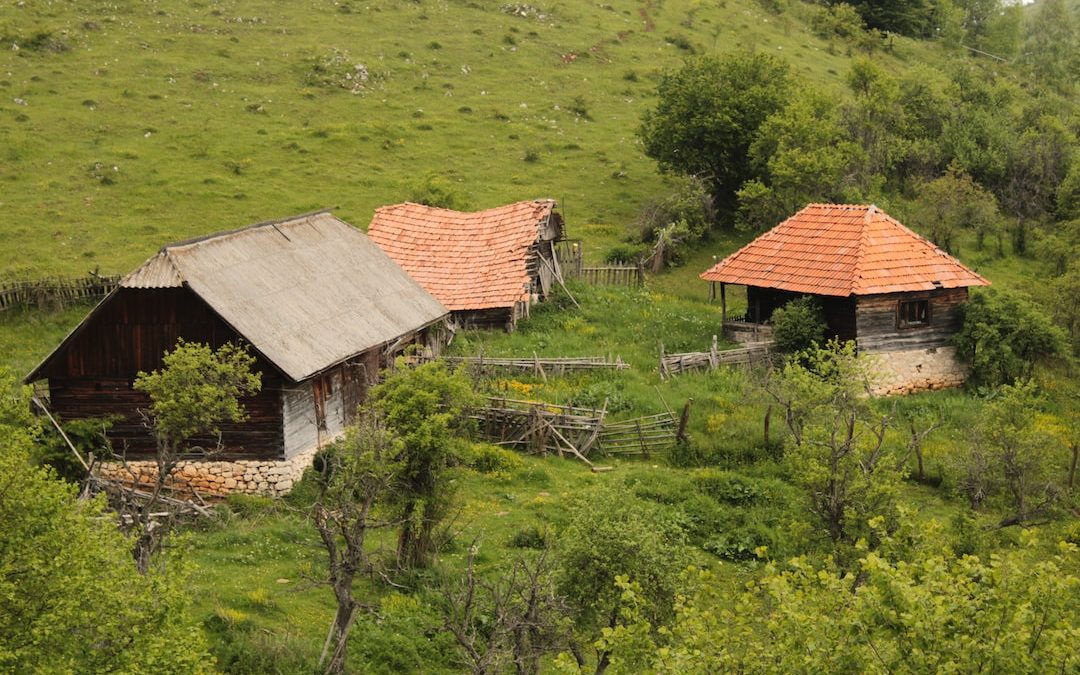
(768, 417)
(1075, 447)
(343, 621)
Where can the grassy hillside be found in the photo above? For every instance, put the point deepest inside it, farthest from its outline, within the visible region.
(124, 127)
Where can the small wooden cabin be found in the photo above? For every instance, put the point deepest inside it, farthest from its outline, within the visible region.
(486, 267)
(321, 307)
(893, 292)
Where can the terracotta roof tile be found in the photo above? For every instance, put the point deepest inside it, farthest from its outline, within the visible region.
(466, 260)
(841, 250)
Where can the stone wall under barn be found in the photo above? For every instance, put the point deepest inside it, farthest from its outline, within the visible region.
(271, 478)
(911, 370)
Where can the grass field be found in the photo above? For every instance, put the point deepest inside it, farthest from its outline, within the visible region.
(124, 127)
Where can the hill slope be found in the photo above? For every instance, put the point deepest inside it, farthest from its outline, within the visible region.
(126, 127)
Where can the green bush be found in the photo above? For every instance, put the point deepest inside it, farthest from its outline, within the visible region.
(625, 253)
(728, 487)
(491, 459)
(533, 537)
(798, 325)
(1004, 336)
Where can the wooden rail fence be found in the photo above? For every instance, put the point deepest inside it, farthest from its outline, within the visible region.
(542, 428)
(676, 364)
(537, 365)
(54, 292)
(614, 275)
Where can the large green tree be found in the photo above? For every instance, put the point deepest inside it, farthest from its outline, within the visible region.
(71, 598)
(426, 408)
(1005, 336)
(612, 534)
(708, 114)
(953, 203)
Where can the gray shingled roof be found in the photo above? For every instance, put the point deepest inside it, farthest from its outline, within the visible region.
(307, 292)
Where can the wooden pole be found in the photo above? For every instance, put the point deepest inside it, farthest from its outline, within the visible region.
(684, 419)
(723, 303)
(62, 434)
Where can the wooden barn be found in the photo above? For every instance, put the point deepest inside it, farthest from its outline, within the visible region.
(486, 267)
(322, 308)
(893, 292)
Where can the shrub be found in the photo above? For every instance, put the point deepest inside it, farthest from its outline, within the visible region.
(491, 459)
(798, 325)
(1004, 335)
(625, 253)
(437, 191)
(533, 537)
(728, 487)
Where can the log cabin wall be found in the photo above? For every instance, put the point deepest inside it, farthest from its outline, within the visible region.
(93, 375)
(880, 329)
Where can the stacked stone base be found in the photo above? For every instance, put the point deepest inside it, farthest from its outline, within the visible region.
(271, 478)
(905, 372)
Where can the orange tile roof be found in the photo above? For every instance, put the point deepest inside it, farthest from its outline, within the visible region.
(842, 250)
(466, 260)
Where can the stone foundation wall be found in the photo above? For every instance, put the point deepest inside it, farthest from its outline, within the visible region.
(904, 372)
(272, 478)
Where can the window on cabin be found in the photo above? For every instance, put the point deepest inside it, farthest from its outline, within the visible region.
(913, 313)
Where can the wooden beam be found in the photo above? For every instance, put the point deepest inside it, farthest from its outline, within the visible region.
(723, 302)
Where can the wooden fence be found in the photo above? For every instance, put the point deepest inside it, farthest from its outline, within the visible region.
(54, 292)
(614, 275)
(676, 364)
(538, 366)
(543, 428)
(643, 436)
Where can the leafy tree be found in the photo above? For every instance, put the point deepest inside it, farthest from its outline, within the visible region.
(982, 126)
(71, 599)
(515, 618)
(907, 17)
(798, 325)
(191, 396)
(708, 114)
(805, 155)
(840, 457)
(952, 203)
(839, 20)
(875, 121)
(1014, 456)
(610, 535)
(426, 408)
(1005, 336)
(1065, 291)
(676, 222)
(1038, 163)
(355, 475)
(1052, 51)
(940, 613)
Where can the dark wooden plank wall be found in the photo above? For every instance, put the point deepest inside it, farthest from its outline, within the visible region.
(92, 375)
(839, 312)
(879, 331)
(501, 317)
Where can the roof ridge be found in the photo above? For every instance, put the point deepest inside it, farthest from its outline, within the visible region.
(542, 201)
(245, 228)
(860, 257)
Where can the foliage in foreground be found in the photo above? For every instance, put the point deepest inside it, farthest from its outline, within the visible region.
(71, 599)
(941, 612)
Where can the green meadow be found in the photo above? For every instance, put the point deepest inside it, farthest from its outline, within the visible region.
(125, 126)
